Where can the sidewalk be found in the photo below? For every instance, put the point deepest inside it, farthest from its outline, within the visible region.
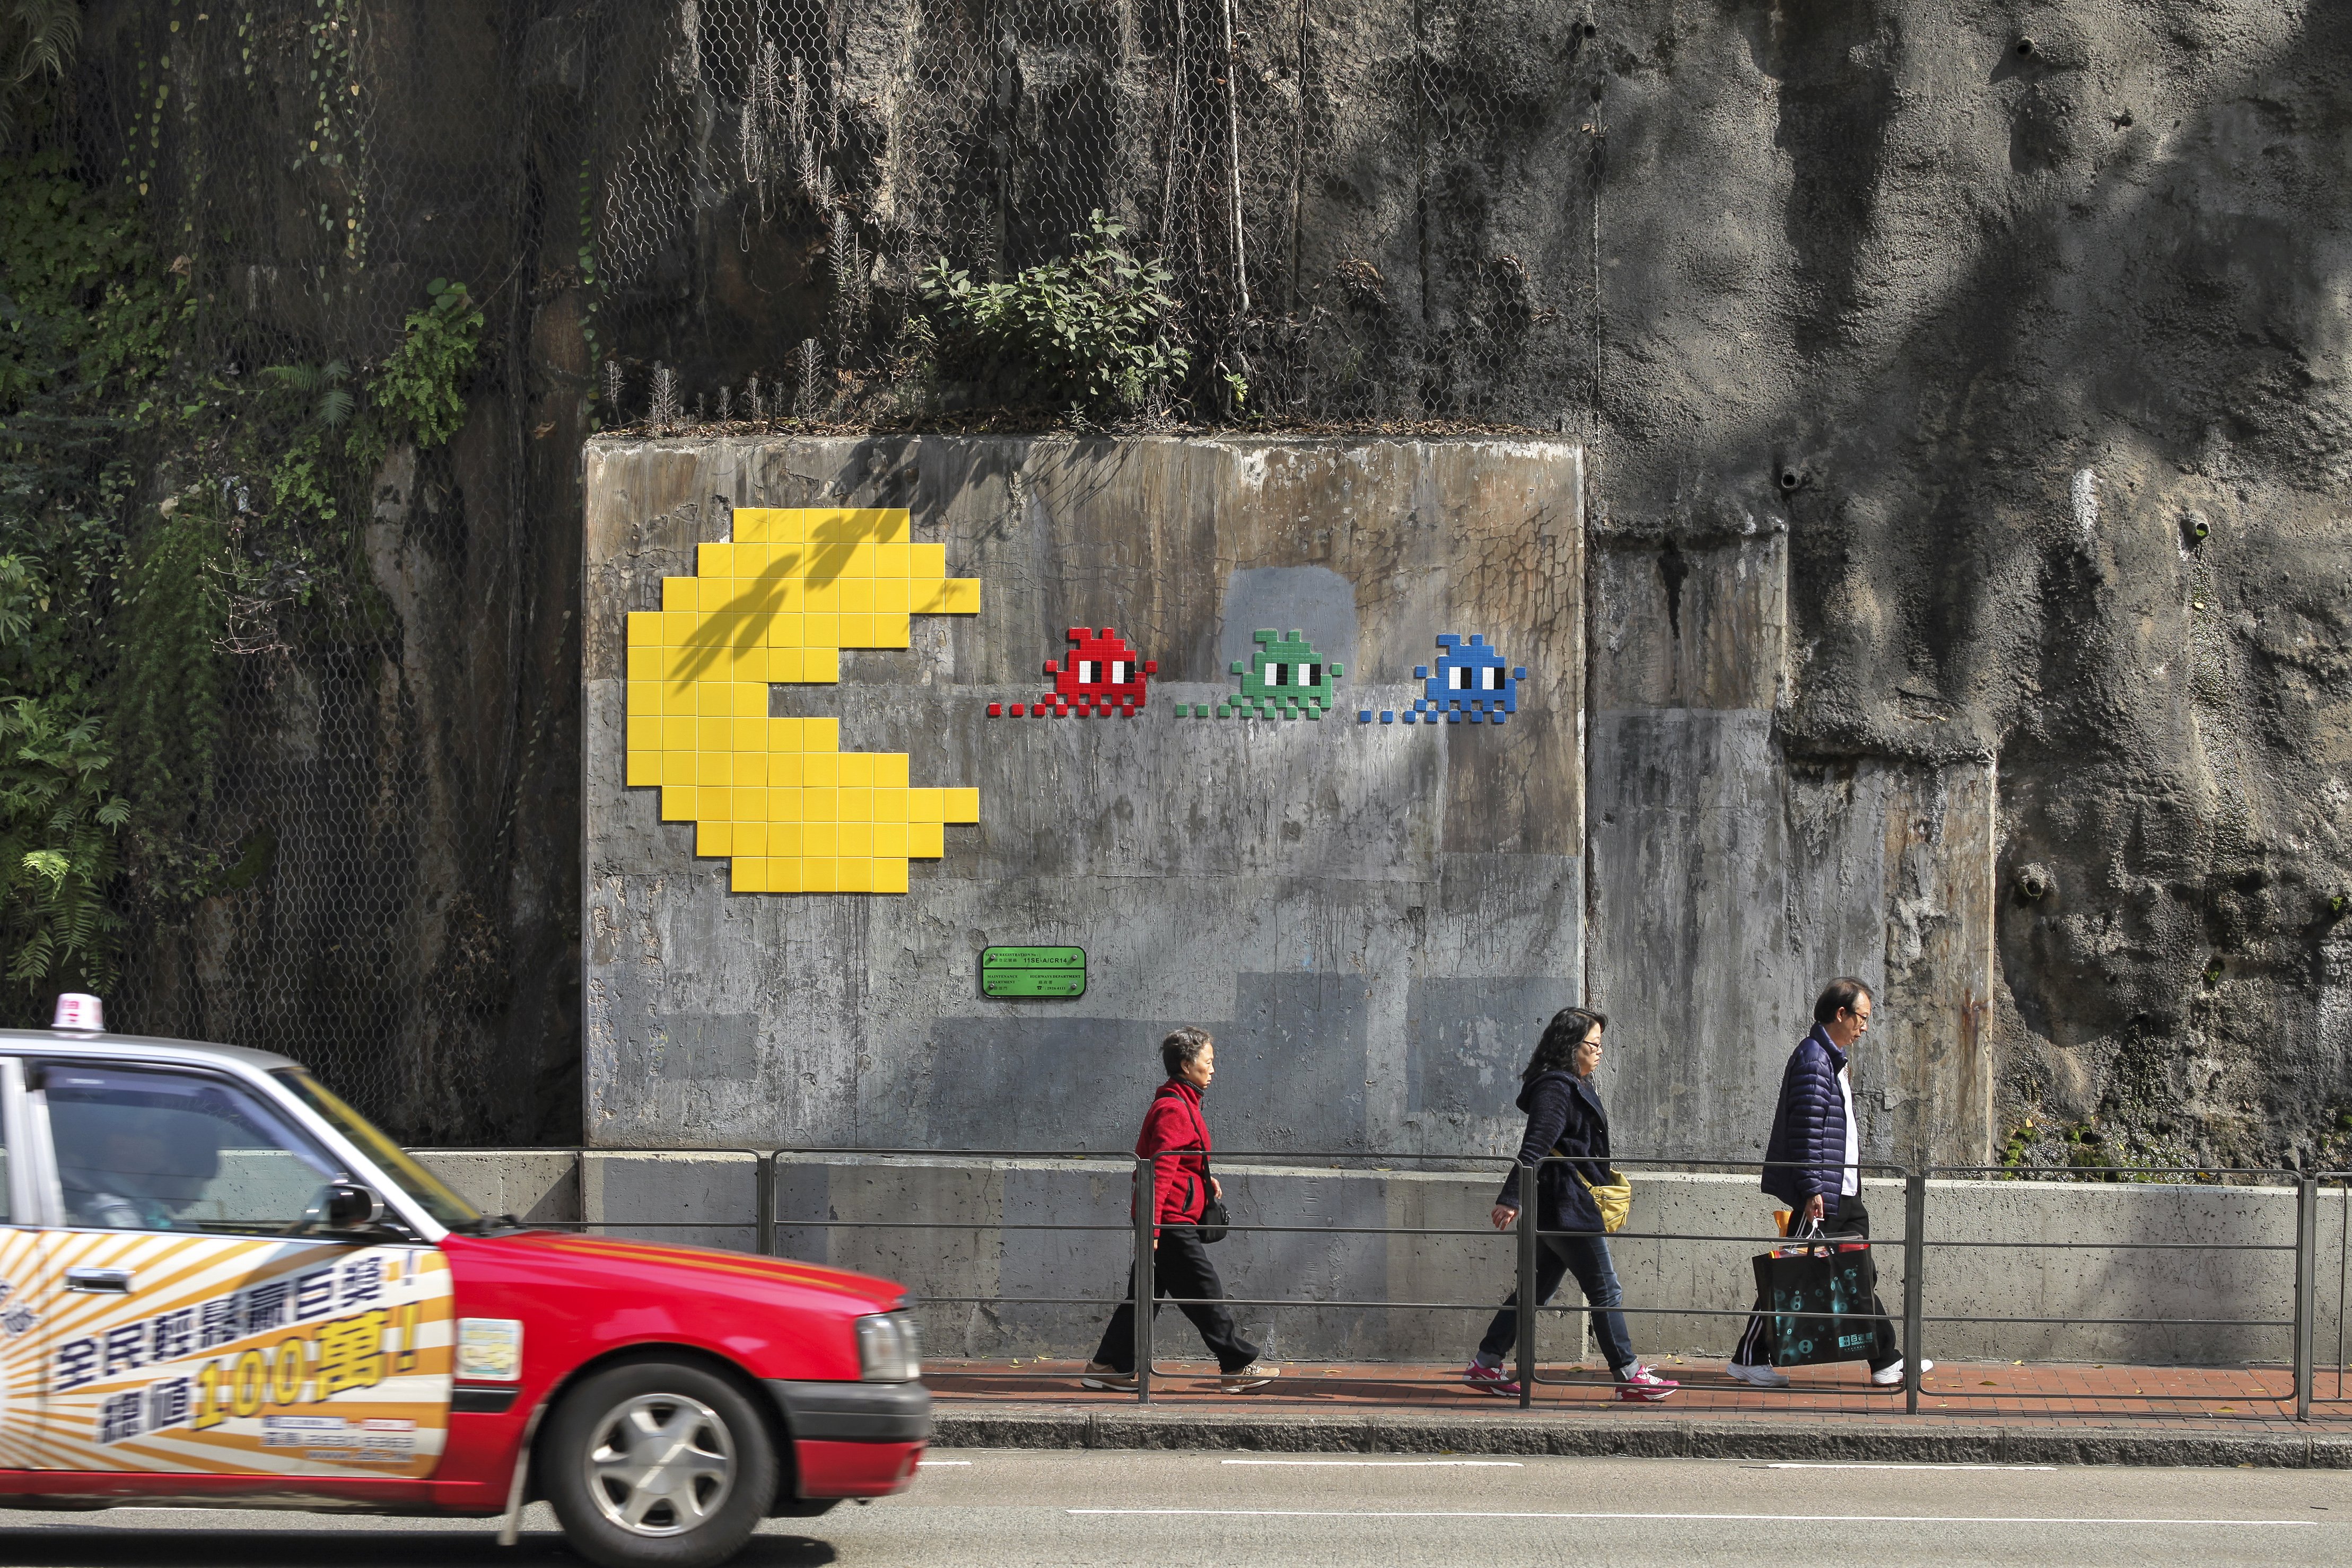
(1979, 1412)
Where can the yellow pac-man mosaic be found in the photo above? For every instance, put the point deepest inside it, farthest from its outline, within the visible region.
(794, 811)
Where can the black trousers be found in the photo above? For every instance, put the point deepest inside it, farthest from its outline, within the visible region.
(1849, 1218)
(1180, 1267)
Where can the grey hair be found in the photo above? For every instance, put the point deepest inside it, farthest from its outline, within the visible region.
(1183, 1047)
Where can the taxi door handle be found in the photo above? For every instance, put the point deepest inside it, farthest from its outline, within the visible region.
(99, 1282)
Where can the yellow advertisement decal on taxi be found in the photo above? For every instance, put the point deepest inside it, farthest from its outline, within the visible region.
(230, 1356)
(20, 1347)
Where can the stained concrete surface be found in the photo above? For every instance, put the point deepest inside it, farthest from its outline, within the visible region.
(1021, 1257)
(1374, 920)
(1730, 877)
(1297, 886)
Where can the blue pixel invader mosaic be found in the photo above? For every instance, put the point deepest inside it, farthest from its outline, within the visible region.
(1470, 680)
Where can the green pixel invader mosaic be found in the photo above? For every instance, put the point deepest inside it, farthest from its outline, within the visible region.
(1283, 677)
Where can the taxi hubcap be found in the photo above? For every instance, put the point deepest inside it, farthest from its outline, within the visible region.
(660, 1464)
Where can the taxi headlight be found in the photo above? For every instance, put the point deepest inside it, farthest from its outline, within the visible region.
(888, 1349)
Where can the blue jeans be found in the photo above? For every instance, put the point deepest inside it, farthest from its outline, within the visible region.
(1587, 1257)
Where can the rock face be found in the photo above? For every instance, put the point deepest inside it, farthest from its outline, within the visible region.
(2020, 330)
(2028, 327)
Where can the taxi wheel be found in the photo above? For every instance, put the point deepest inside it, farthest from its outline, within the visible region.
(658, 1463)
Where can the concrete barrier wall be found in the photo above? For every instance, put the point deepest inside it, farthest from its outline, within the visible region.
(995, 1293)
(1366, 917)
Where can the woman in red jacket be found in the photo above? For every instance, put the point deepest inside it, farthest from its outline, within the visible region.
(1174, 1129)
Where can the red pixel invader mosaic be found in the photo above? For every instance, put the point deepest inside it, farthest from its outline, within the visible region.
(1100, 676)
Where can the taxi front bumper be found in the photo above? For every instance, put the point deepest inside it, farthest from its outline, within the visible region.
(853, 1439)
(854, 1412)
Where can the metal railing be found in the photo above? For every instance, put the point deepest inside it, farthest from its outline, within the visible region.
(1529, 1238)
(2310, 1291)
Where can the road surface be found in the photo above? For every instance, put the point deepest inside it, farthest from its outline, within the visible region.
(1007, 1510)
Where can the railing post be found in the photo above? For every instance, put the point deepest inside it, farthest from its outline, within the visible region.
(764, 1206)
(1915, 1253)
(1147, 1213)
(1527, 1290)
(2307, 1288)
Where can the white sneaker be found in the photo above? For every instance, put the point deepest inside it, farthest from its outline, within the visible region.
(1889, 1376)
(1759, 1374)
(1256, 1375)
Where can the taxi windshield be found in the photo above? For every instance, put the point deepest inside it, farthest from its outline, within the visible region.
(427, 1189)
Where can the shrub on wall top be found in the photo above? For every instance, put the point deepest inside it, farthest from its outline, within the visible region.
(1091, 331)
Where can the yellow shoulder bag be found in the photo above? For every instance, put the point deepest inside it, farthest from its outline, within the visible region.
(1614, 1198)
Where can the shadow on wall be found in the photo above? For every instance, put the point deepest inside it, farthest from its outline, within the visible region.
(1046, 1082)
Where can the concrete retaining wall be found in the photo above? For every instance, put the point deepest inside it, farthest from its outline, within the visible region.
(1728, 882)
(1374, 920)
(1038, 1291)
(1371, 919)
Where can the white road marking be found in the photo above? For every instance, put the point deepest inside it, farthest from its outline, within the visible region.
(1393, 1464)
(1723, 1517)
(1818, 1465)
(938, 1464)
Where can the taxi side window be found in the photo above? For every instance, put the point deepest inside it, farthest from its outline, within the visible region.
(156, 1150)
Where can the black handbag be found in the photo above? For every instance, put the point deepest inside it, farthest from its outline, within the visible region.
(1213, 1217)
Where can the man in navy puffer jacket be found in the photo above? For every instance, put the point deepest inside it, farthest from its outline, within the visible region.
(1813, 1163)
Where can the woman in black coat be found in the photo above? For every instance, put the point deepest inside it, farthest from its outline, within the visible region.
(1565, 1116)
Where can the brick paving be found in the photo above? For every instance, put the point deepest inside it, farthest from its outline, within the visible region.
(2236, 1398)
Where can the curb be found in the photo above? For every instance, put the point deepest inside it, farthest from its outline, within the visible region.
(1393, 1432)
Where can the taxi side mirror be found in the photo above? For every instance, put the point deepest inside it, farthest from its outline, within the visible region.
(351, 1206)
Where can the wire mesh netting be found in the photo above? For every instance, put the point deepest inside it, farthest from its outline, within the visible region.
(715, 210)
(1325, 194)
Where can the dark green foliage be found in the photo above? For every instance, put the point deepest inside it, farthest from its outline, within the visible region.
(2089, 1152)
(38, 38)
(1094, 332)
(168, 626)
(162, 516)
(421, 391)
(58, 828)
(86, 322)
(58, 820)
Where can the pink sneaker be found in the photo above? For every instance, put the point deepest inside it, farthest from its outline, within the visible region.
(1490, 1380)
(1644, 1386)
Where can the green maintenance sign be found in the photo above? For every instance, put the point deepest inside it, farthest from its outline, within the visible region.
(1015, 973)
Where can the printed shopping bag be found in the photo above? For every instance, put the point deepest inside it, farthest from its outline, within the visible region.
(1839, 1281)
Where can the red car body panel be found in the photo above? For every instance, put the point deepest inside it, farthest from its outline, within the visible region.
(856, 1470)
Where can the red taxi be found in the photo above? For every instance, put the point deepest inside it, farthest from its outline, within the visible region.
(219, 1285)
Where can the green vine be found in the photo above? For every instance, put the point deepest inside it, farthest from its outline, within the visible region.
(333, 40)
(38, 38)
(167, 706)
